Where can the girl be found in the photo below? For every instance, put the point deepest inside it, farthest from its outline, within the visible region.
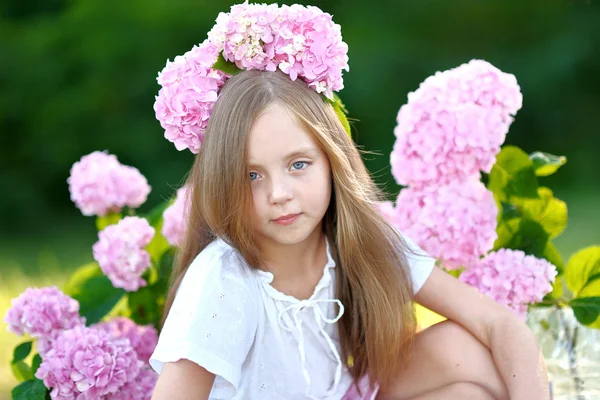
(291, 285)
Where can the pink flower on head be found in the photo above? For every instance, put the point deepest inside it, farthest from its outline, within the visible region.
(143, 339)
(453, 126)
(43, 313)
(120, 252)
(188, 94)
(84, 363)
(99, 184)
(512, 278)
(175, 218)
(140, 388)
(455, 223)
(243, 31)
(309, 44)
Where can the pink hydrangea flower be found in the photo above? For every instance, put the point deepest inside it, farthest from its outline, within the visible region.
(120, 252)
(99, 184)
(143, 339)
(300, 41)
(84, 363)
(140, 388)
(43, 313)
(188, 95)
(455, 223)
(512, 278)
(175, 219)
(454, 124)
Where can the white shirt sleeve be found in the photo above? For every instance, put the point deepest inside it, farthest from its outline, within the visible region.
(212, 322)
(420, 263)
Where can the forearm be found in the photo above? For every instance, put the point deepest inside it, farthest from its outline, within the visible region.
(519, 360)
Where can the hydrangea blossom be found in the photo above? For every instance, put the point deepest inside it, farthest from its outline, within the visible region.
(175, 218)
(188, 95)
(140, 388)
(454, 124)
(455, 223)
(120, 252)
(84, 363)
(43, 313)
(99, 184)
(143, 339)
(512, 278)
(300, 41)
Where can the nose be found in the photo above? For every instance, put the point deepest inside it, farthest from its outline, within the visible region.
(280, 191)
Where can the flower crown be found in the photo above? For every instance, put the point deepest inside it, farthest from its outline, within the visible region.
(301, 41)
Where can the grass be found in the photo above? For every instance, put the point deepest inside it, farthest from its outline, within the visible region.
(49, 259)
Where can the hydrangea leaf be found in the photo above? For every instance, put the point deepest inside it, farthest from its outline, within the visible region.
(94, 292)
(513, 175)
(549, 211)
(587, 310)
(226, 66)
(583, 269)
(22, 351)
(21, 371)
(522, 234)
(546, 164)
(32, 389)
(108, 219)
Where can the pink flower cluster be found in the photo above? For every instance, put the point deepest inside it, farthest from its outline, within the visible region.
(120, 252)
(188, 94)
(300, 41)
(99, 184)
(43, 313)
(175, 218)
(84, 363)
(453, 126)
(143, 339)
(455, 223)
(512, 278)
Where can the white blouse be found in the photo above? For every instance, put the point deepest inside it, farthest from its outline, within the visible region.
(260, 343)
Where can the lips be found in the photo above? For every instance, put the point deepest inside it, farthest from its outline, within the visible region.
(286, 219)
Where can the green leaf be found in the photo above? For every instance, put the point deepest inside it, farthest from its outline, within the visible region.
(586, 310)
(144, 305)
(155, 215)
(549, 211)
(546, 164)
(94, 292)
(522, 234)
(343, 119)
(33, 389)
(159, 245)
(108, 219)
(227, 67)
(582, 269)
(553, 256)
(22, 351)
(35, 363)
(21, 371)
(513, 175)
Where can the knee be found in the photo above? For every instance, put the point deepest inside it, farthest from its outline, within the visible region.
(468, 390)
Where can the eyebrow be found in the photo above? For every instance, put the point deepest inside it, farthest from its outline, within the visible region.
(305, 151)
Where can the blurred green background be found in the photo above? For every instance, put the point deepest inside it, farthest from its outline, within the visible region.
(78, 76)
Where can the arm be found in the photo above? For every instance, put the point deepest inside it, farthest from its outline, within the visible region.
(183, 380)
(513, 345)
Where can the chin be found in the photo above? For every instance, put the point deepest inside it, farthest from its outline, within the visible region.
(288, 238)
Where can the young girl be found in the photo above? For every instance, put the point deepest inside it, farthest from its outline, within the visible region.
(291, 285)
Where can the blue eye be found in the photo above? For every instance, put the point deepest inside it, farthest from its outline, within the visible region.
(299, 165)
(253, 176)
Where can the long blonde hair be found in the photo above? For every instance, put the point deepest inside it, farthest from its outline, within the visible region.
(372, 277)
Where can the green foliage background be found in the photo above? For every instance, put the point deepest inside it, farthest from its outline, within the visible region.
(78, 76)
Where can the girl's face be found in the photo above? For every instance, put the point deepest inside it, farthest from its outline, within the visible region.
(290, 178)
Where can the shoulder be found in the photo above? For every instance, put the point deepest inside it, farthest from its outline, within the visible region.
(217, 266)
(419, 262)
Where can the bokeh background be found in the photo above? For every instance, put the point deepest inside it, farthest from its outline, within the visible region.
(79, 76)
